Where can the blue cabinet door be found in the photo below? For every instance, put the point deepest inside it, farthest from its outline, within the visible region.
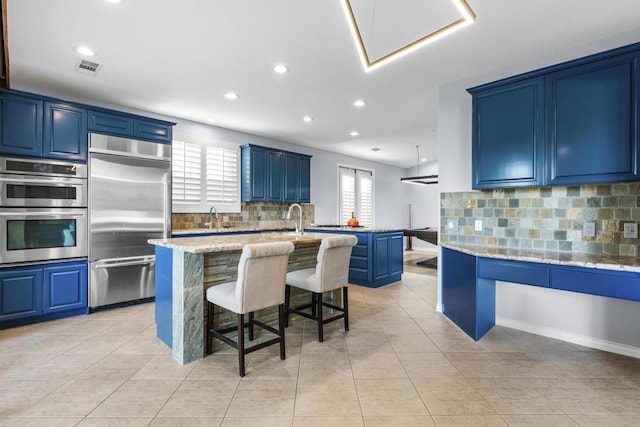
(20, 125)
(381, 257)
(592, 118)
(305, 179)
(254, 174)
(20, 293)
(152, 131)
(164, 294)
(111, 124)
(275, 176)
(291, 179)
(65, 286)
(65, 132)
(396, 260)
(508, 135)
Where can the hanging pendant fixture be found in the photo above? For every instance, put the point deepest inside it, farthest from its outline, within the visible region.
(420, 179)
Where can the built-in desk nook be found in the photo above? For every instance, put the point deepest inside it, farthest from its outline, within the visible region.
(469, 275)
(187, 267)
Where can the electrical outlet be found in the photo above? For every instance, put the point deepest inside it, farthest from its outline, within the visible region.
(631, 230)
(589, 229)
(478, 225)
(452, 225)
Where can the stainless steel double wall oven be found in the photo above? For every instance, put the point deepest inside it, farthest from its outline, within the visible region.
(43, 210)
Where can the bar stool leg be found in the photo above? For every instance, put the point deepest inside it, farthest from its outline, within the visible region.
(281, 319)
(251, 326)
(241, 344)
(314, 302)
(318, 297)
(287, 302)
(345, 307)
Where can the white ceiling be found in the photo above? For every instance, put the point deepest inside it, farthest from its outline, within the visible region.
(178, 58)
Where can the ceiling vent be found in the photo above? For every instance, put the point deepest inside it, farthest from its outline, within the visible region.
(88, 67)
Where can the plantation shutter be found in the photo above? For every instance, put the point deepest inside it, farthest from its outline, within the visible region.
(186, 174)
(356, 195)
(222, 175)
(364, 185)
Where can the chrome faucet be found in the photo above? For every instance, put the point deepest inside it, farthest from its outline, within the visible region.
(299, 228)
(210, 223)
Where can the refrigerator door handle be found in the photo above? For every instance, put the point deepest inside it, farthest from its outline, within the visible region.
(124, 262)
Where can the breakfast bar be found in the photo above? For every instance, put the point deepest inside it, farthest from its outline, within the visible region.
(187, 267)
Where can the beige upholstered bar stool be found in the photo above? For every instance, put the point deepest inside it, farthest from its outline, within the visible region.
(331, 272)
(261, 282)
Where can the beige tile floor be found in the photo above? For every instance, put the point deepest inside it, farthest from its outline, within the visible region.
(402, 364)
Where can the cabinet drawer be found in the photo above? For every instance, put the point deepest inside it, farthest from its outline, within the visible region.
(152, 131)
(358, 262)
(514, 271)
(610, 284)
(359, 251)
(110, 123)
(358, 275)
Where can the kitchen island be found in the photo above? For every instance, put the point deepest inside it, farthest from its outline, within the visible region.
(186, 267)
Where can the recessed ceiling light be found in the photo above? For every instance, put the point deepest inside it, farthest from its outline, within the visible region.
(307, 119)
(358, 103)
(354, 133)
(280, 69)
(231, 95)
(85, 51)
(211, 119)
(113, 1)
(424, 159)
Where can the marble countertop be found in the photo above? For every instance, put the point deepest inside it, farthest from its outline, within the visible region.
(235, 242)
(601, 261)
(345, 228)
(340, 229)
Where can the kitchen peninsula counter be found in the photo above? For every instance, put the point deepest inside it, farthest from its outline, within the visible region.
(187, 266)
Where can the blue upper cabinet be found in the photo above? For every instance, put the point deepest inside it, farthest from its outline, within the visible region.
(592, 122)
(112, 123)
(508, 135)
(274, 175)
(569, 124)
(20, 125)
(65, 132)
(297, 178)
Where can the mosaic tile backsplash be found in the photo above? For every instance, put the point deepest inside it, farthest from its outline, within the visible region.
(548, 218)
(268, 215)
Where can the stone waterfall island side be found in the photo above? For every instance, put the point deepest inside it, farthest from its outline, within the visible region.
(186, 267)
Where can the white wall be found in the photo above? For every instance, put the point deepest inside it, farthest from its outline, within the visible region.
(584, 319)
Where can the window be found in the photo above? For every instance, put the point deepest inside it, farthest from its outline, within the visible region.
(356, 195)
(205, 174)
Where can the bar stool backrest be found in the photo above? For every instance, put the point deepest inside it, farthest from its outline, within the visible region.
(262, 272)
(332, 270)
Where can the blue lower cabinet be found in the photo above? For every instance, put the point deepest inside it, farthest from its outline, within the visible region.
(468, 300)
(65, 287)
(377, 258)
(42, 292)
(20, 293)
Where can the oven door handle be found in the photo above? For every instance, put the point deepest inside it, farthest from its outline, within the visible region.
(51, 182)
(125, 262)
(43, 214)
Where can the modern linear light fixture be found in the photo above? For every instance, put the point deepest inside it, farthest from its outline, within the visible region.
(467, 17)
(420, 179)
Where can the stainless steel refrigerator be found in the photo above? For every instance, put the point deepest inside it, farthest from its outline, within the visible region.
(129, 203)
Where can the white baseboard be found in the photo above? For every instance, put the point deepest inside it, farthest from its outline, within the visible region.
(610, 346)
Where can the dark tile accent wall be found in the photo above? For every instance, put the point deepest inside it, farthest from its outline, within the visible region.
(253, 215)
(549, 218)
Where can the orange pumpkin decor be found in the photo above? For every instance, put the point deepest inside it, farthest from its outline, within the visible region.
(353, 221)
